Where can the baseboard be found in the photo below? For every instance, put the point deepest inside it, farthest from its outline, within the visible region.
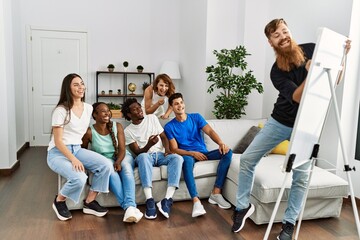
(22, 150)
(9, 171)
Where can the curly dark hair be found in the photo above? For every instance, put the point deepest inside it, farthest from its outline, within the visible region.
(126, 107)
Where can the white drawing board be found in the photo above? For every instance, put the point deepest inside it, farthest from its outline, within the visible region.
(316, 97)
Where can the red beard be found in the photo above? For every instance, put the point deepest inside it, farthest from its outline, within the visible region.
(290, 57)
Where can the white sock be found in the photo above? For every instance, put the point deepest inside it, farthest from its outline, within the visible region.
(148, 193)
(170, 192)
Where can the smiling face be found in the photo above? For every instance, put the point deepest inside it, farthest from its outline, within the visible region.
(178, 106)
(281, 38)
(77, 88)
(162, 88)
(136, 112)
(102, 114)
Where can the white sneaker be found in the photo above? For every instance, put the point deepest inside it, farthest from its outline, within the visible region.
(132, 214)
(219, 200)
(198, 209)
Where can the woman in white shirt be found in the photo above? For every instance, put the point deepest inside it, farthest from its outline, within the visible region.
(70, 120)
(156, 97)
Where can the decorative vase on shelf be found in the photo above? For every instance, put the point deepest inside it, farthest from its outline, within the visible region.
(132, 88)
(125, 64)
(111, 67)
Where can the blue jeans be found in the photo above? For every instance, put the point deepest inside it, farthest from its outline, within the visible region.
(76, 181)
(146, 161)
(122, 183)
(271, 135)
(223, 167)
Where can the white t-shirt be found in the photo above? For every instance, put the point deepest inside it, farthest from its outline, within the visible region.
(75, 129)
(140, 133)
(155, 98)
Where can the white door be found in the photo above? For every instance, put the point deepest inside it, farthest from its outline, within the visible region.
(53, 55)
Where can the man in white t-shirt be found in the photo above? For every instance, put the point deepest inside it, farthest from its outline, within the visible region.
(142, 136)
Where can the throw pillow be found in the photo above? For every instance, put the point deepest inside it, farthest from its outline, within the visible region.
(246, 140)
(281, 148)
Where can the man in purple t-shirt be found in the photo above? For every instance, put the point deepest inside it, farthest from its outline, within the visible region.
(185, 139)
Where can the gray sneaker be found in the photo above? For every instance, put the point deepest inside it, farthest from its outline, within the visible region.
(219, 200)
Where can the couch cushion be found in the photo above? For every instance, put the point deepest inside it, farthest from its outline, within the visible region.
(201, 169)
(231, 131)
(269, 179)
(246, 140)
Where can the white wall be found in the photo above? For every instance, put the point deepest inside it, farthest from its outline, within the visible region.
(7, 90)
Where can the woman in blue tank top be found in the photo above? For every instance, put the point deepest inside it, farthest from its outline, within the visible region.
(107, 138)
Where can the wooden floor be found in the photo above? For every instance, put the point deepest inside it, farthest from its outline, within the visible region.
(25, 213)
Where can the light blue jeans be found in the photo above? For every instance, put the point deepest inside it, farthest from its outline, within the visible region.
(76, 181)
(122, 183)
(146, 161)
(271, 135)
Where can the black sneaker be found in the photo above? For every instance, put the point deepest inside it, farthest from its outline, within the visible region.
(61, 210)
(94, 208)
(165, 206)
(286, 232)
(150, 212)
(239, 217)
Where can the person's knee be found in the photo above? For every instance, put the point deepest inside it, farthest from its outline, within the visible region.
(79, 181)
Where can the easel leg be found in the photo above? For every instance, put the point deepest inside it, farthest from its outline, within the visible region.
(276, 206)
(346, 162)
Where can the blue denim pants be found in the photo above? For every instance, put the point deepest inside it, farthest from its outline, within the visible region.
(146, 161)
(122, 183)
(223, 167)
(76, 181)
(271, 135)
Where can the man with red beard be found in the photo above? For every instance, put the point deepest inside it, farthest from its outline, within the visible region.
(288, 75)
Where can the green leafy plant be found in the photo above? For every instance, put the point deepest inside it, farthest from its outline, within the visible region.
(111, 66)
(145, 85)
(125, 64)
(230, 76)
(140, 68)
(114, 106)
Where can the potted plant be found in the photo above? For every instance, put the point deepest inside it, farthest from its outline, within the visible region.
(145, 85)
(230, 76)
(125, 64)
(110, 92)
(111, 67)
(115, 110)
(140, 68)
(119, 91)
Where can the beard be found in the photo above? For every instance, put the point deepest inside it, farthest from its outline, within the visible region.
(289, 57)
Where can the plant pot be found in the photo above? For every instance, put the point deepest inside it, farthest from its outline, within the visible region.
(116, 113)
(140, 70)
(111, 69)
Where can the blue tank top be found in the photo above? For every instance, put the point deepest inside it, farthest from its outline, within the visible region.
(103, 144)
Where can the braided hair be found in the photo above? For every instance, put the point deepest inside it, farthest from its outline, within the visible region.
(109, 126)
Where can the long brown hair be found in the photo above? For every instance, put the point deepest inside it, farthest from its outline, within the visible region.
(166, 80)
(109, 126)
(66, 99)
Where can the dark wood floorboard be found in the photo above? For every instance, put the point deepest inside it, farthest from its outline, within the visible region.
(25, 213)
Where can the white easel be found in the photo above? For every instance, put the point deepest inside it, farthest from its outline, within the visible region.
(291, 159)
